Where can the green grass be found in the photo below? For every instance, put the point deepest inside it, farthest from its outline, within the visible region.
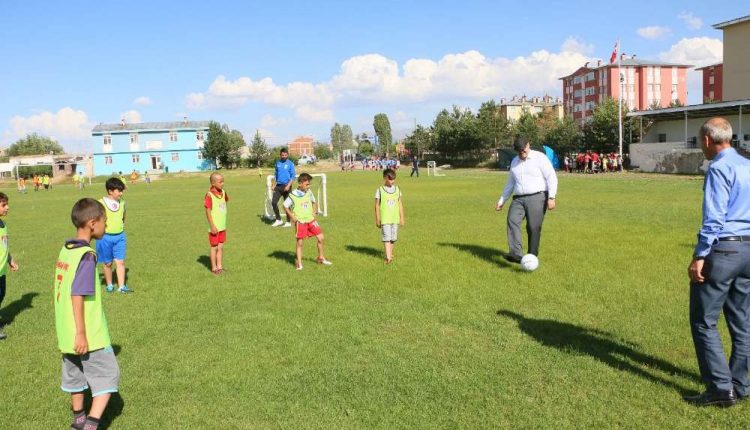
(449, 336)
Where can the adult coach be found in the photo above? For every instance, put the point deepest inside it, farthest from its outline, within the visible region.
(284, 173)
(533, 183)
(720, 270)
(415, 166)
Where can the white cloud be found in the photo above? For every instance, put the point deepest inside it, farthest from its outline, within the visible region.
(272, 121)
(142, 101)
(696, 51)
(376, 78)
(690, 20)
(65, 124)
(654, 32)
(131, 116)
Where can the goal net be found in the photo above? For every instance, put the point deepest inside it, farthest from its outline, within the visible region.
(319, 189)
(433, 170)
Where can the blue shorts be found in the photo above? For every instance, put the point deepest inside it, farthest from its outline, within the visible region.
(111, 246)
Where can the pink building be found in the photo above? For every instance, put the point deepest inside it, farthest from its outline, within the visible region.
(713, 81)
(645, 84)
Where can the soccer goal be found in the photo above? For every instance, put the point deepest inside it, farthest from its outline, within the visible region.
(319, 187)
(432, 166)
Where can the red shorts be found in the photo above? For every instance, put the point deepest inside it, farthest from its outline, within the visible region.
(216, 239)
(308, 229)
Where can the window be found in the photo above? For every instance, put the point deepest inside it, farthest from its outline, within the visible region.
(200, 155)
(590, 76)
(590, 91)
(199, 135)
(107, 139)
(662, 137)
(60, 167)
(173, 136)
(175, 156)
(711, 80)
(136, 158)
(674, 75)
(133, 138)
(711, 94)
(107, 159)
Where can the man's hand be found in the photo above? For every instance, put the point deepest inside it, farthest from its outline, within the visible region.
(695, 271)
(551, 204)
(81, 344)
(288, 186)
(499, 206)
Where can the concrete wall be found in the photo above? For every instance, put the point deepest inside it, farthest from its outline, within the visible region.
(736, 61)
(667, 157)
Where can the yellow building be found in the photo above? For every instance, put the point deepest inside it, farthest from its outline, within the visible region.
(736, 58)
(512, 109)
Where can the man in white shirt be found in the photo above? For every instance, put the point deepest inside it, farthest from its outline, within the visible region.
(533, 183)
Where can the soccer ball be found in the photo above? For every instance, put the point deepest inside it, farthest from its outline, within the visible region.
(529, 262)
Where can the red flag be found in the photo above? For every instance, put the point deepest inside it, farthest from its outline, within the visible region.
(614, 53)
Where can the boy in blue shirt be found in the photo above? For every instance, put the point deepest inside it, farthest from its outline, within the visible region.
(284, 173)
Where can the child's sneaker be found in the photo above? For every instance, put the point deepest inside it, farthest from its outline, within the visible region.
(287, 224)
(2, 334)
(110, 288)
(124, 289)
(277, 223)
(298, 267)
(324, 262)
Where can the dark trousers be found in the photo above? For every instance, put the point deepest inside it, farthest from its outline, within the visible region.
(414, 170)
(727, 288)
(278, 192)
(532, 207)
(2, 289)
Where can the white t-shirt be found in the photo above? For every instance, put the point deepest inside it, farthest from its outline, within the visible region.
(288, 203)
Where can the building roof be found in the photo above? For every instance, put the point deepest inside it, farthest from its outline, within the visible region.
(721, 25)
(693, 111)
(709, 66)
(173, 125)
(625, 62)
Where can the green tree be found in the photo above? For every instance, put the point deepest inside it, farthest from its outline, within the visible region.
(322, 151)
(527, 127)
(347, 137)
(563, 135)
(494, 129)
(34, 144)
(259, 151)
(222, 146)
(337, 139)
(418, 141)
(382, 127)
(601, 133)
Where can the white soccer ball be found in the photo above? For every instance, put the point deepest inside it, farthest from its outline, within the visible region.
(529, 262)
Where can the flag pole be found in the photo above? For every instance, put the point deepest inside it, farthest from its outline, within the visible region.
(619, 110)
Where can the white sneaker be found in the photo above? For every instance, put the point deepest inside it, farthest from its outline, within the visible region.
(324, 262)
(299, 267)
(277, 223)
(287, 224)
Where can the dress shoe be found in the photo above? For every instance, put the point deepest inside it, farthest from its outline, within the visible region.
(512, 258)
(722, 399)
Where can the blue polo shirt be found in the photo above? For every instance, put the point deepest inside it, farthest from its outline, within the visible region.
(726, 200)
(284, 172)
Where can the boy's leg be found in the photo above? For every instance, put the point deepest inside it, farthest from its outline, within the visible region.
(103, 374)
(219, 253)
(300, 243)
(212, 256)
(98, 404)
(320, 238)
(120, 268)
(107, 270)
(388, 251)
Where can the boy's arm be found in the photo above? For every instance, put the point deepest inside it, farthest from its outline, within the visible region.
(12, 263)
(401, 212)
(377, 213)
(211, 221)
(290, 214)
(81, 344)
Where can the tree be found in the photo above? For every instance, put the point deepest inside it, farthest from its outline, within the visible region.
(493, 127)
(563, 136)
(222, 146)
(347, 137)
(418, 141)
(258, 150)
(383, 130)
(527, 127)
(322, 151)
(602, 132)
(34, 144)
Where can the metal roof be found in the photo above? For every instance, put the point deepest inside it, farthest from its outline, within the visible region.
(173, 125)
(693, 111)
(710, 65)
(721, 25)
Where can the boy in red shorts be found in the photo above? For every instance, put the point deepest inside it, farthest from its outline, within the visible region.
(215, 203)
(301, 208)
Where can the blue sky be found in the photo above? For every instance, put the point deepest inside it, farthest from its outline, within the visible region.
(295, 68)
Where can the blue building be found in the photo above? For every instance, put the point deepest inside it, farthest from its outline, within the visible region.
(153, 146)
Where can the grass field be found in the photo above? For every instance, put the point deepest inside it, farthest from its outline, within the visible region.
(449, 336)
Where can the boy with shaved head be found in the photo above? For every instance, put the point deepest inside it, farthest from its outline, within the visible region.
(215, 203)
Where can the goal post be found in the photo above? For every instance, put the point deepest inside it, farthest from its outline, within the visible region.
(320, 189)
(432, 169)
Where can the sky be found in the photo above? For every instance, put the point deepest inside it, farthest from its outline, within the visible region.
(295, 68)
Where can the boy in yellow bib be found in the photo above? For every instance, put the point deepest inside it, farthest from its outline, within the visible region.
(88, 360)
(6, 261)
(389, 212)
(215, 203)
(301, 208)
(113, 244)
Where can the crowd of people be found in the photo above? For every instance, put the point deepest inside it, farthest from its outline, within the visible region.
(593, 162)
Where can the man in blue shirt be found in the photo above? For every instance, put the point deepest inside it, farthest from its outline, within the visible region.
(720, 270)
(284, 176)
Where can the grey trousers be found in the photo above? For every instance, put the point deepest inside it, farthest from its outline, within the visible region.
(727, 288)
(532, 208)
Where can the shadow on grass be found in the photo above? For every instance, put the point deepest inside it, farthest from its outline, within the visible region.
(602, 346)
(286, 256)
(114, 409)
(490, 255)
(365, 250)
(15, 307)
(114, 275)
(205, 260)
(265, 220)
